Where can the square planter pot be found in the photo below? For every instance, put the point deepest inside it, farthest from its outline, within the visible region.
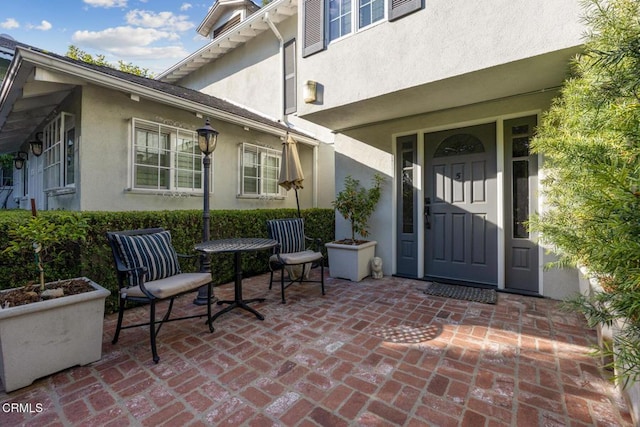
(351, 262)
(45, 337)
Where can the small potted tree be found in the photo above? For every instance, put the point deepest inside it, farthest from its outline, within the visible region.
(45, 328)
(350, 258)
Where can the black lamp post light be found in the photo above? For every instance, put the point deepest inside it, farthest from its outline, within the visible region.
(207, 141)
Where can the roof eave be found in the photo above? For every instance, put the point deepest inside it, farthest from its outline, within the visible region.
(25, 57)
(228, 38)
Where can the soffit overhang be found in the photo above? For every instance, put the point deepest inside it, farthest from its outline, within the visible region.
(218, 9)
(527, 76)
(276, 12)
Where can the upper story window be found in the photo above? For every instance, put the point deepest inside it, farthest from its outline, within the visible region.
(59, 152)
(259, 171)
(165, 158)
(327, 20)
(370, 11)
(341, 18)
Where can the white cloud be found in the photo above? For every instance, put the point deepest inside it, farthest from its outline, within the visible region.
(10, 24)
(106, 3)
(44, 26)
(163, 20)
(130, 42)
(186, 6)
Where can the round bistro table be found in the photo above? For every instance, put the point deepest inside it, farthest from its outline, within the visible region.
(237, 246)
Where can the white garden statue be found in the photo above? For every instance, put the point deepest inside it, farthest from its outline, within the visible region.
(376, 268)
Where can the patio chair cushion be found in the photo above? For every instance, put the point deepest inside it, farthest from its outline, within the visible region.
(289, 233)
(153, 251)
(169, 286)
(295, 258)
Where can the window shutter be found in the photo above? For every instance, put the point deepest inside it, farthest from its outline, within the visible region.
(290, 77)
(313, 27)
(400, 8)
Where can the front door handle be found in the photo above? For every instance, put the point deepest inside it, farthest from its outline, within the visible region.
(427, 213)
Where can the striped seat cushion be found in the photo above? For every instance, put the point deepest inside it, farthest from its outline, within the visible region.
(289, 233)
(153, 251)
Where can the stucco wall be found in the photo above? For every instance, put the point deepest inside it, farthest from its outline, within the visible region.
(251, 75)
(444, 39)
(105, 156)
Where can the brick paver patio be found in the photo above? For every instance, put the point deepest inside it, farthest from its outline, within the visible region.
(374, 353)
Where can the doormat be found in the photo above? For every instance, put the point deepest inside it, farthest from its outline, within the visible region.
(468, 293)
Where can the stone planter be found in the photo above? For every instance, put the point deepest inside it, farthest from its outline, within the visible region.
(45, 337)
(351, 262)
(589, 286)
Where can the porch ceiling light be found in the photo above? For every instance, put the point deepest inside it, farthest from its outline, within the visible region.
(36, 145)
(207, 138)
(19, 159)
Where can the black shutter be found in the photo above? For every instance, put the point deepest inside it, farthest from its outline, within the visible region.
(312, 27)
(400, 8)
(290, 77)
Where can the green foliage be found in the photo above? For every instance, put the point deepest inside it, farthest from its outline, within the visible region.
(75, 53)
(48, 240)
(6, 162)
(356, 203)
(92, 258)
(590, 139)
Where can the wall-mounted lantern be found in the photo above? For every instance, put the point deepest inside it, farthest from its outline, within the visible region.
(309, 91)
(37, 145)
(19, 159)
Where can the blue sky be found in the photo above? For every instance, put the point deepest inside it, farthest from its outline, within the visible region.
(153, 34)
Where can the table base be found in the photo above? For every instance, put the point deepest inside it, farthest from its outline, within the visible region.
(239, 304)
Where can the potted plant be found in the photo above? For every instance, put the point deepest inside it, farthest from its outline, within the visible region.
(350, 258)
(45, 328)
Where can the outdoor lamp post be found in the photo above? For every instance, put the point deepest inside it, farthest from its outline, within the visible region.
(207, 140)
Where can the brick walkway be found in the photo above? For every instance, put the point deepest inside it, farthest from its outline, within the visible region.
(374, 353)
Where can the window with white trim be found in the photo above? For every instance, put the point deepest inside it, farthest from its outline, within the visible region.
(59, 152)
(259, 171)
(342, 20)
(326, 20)
(165, 158)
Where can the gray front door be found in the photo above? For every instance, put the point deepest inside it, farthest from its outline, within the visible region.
(461, 234)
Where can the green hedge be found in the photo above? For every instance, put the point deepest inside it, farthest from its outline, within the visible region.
(93, 258)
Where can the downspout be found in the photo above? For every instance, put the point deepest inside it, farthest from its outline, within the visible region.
(276, 33)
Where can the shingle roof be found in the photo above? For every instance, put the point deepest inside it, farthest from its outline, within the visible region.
(167, 88)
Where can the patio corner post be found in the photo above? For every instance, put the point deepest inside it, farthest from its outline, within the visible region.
(207, 140)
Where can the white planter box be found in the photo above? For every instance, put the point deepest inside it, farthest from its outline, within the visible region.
(43, 338)
(351, 262)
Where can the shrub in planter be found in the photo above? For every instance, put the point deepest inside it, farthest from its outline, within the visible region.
(48, 327)
(350, 258)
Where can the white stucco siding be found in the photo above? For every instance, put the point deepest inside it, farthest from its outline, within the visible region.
(443, 40)
(105, 157)
(250, 75)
